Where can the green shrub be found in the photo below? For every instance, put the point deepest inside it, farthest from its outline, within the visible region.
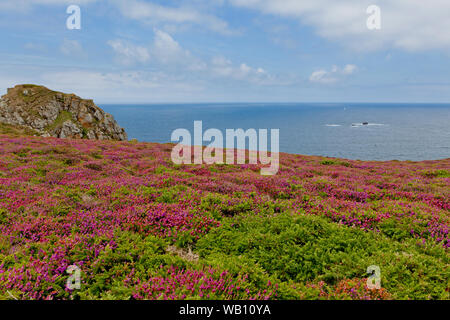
(304, 248)
(437, 174)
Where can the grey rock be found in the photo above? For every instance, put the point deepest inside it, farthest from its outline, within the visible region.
(98, 115)
(56, 114)
(69, 129)
(17, 119)
(91, 135)
(38, 124)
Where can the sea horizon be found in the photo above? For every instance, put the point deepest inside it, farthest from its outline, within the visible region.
(394, 131)
(169, 103)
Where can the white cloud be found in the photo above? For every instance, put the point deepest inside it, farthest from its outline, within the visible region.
(104, 86)
(87, 79)
(25, 5)
(34, 46)
(148, 12)
(334, 75)
(187, 13)
(72, 48)
(166, 49)
(163, 51)
(406, 24)
(222, 67)
(322, 76)
(349, 69)
(129, 54)
(124, 86)
(167, 54)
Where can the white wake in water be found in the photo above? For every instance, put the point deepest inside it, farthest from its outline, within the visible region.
(367, 125)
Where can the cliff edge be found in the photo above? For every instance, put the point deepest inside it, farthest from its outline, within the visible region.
(56, 114)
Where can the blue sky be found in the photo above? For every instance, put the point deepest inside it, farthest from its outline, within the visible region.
(140, 51)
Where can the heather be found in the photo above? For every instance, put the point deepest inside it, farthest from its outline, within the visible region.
(140, 227)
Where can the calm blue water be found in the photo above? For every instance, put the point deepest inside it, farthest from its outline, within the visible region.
(395, 131)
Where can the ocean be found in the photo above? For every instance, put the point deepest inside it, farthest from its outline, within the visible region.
(394, 131)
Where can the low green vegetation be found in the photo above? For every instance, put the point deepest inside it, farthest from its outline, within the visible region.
(63, 116)
(138, 226)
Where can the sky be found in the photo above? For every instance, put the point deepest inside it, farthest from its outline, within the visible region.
(173, 51)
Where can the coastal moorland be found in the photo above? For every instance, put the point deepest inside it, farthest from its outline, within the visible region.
(140, 227)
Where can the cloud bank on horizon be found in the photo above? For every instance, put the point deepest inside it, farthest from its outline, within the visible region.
(230, 50)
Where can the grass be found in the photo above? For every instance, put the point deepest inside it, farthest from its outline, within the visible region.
(16, 130)
(63, 116)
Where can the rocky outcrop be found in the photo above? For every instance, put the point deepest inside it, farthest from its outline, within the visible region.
(55, 114)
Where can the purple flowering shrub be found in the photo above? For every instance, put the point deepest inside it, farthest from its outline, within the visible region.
(115, 208)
